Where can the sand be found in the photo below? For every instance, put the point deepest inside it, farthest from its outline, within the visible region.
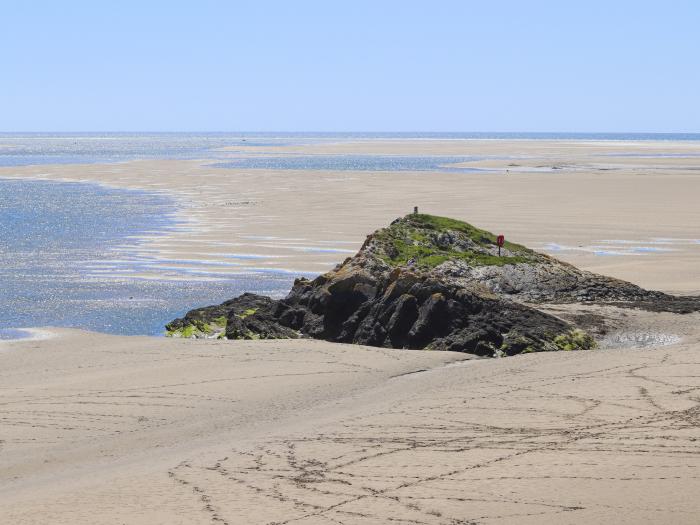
(100, 429)
(591, 211)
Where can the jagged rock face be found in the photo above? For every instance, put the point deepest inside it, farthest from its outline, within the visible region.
(547, 281)
(407, 309)
(465, 255)
(429, 282)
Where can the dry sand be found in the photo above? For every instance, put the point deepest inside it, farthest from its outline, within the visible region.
(102, 429)
(99, 429)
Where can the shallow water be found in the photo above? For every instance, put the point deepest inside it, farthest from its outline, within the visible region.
(350, 163)
(639, 340)
(20, 149)
(14, 333)
(86, 148)
(54, 235)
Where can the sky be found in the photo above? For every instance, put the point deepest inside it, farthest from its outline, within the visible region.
(354, 65)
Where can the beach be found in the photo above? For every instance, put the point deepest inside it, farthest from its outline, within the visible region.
(114, 429)
(587, 201)
(106, 429)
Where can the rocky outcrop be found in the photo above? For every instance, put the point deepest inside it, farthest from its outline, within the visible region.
(213, 321)
(425, 282)
(407, 309)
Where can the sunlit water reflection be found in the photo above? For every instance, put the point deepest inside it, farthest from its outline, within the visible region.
(51, 235)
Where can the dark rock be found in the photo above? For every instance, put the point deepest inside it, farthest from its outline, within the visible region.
(663, 303)
(262, 324)
(403, 317)
(435, 283)
(212, 321)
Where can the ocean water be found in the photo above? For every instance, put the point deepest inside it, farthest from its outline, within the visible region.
(48, 230)
(24, 149)
(350, 162)
(19, 149)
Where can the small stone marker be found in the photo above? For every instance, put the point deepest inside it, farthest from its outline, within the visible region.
(415, 210)
(500, 240)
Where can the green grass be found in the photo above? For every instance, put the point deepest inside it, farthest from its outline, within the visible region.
(410, 240)
(482, 237)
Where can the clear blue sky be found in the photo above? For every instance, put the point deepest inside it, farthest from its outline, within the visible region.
(356, 65)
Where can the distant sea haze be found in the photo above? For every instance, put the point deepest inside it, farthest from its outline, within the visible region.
(223, 138)
(22, 149)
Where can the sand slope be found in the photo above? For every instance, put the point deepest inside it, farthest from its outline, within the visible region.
(103, 429)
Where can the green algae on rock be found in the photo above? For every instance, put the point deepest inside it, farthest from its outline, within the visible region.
(211, 322)
(199, 329)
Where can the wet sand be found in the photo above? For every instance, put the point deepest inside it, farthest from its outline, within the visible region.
(576, 197)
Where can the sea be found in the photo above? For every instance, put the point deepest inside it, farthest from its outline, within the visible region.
(49, 229)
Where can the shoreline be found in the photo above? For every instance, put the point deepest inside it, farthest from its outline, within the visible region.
(26, 334)
(59, 250)
(247, 212)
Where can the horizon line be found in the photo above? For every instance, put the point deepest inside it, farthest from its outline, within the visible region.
(364, 131)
